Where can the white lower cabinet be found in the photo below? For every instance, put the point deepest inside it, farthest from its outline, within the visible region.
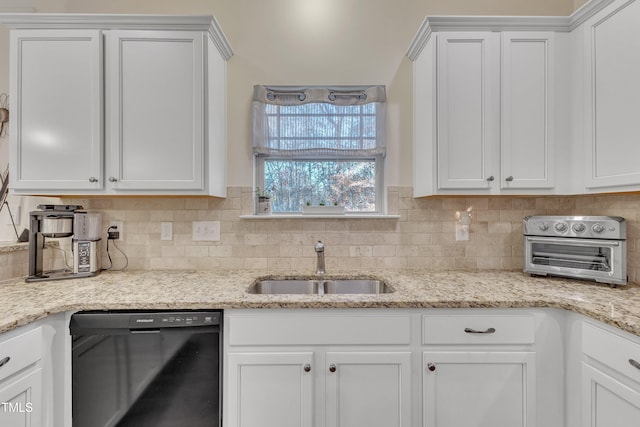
(316, 376)
(483, 389)
(393, 368)
(21, 400)
(610, 378)
(21, 379)
(370, 389)
(286, 389)
(270, 389)
(608, 402)
(479, 370)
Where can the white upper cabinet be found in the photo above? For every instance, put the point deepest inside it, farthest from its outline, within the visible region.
(467, 111)
(56, 124)
(156, 102)
(565, 119)
(484, 110)
(611, 65)
(132, 105)
(527, 149)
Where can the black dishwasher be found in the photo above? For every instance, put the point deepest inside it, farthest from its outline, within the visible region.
(146, 368)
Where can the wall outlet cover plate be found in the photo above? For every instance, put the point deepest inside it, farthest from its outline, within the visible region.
(206, 231)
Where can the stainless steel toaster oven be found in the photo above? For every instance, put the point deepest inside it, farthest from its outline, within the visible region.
(582, 247)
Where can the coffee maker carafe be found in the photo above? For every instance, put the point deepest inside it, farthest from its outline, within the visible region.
(58, 221)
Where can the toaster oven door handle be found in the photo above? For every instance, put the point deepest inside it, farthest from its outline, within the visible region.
(576, 242)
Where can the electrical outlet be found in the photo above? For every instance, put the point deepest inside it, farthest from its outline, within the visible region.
(462, 232)
(119, 228)
(166, 231)
(207, 231)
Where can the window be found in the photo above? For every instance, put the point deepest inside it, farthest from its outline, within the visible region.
(320, 145)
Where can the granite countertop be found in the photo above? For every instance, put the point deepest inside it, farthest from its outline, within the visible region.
(22, 303)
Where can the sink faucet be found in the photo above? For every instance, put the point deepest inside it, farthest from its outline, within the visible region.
(319, 247)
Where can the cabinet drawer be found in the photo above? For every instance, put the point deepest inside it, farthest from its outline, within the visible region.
(493, 329)
(616, 352)
(20, 351)
(309, 329)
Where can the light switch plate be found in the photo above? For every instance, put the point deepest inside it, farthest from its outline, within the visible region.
(166, 231)
(206, 231)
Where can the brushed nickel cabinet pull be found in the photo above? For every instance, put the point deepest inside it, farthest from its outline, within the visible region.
(474, 331)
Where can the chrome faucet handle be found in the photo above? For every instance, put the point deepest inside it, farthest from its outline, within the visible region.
(319, 247)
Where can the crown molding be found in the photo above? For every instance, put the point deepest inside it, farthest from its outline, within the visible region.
(587, 11)
(432, 24)
(121, 22)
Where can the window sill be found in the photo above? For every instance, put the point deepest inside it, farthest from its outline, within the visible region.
(326, 216)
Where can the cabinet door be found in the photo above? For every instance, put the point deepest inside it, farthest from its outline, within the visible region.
(269, 390)
(368, 389)
(607, 402)
(56, 107)
(21, 400)
(468, 109)
(528, 98)
(612, 88)
(155, 90)
(479, 389)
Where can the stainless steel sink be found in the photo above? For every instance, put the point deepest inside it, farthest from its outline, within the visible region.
(320, 286)
(285, 287)
(355, 286)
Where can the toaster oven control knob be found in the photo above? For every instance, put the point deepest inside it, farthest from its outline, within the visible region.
(543, 226)
(579, 227)
(597, 228)
(561, 227)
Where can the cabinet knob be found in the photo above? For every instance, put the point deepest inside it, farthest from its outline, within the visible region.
(431, 367)
(93, 179)
(4, 361)
(307, 368)
(474, 331)
(113, 179)
(509, 179)
(491, 178)
(633, 363)
(332, 368)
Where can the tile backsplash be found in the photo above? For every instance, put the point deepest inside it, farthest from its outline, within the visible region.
(422, 238)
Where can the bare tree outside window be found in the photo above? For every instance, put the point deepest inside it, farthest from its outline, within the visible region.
(293, 183)
(327, 152)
